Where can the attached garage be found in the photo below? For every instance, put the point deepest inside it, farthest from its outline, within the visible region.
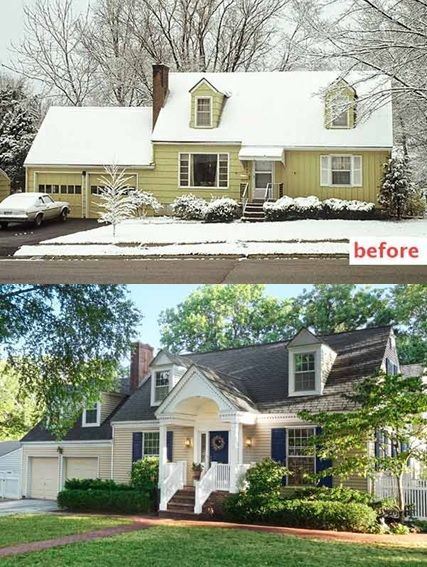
(44, 481)
(81, 468)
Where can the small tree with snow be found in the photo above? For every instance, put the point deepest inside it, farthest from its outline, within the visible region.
(397, 188)
(144, 202)
(116, 198)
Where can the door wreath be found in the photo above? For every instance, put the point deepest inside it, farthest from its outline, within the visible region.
(218, 443)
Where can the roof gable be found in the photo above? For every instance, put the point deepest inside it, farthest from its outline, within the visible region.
(304, 337)
(205, 82)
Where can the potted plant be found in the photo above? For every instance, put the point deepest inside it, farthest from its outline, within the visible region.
(197, 469)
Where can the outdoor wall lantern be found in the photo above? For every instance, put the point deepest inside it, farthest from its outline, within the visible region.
(248, 442)
(188, 443)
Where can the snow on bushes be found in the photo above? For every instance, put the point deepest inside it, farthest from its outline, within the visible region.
(222, 210)
(287, 208)
(144, 202)
(190, 207)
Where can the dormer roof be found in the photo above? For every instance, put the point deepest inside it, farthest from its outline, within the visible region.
(304, 337)
(204, 81)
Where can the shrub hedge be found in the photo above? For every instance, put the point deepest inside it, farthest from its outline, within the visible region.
(337, 494)
(314, 514)
(95, 484)
(93, 500)
(312, 207)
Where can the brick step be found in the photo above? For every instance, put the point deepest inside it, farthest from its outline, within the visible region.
(174, 515)
(180, 507)
(183, 500)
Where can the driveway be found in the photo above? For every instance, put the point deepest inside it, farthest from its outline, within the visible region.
(26, 507)
(15, 236)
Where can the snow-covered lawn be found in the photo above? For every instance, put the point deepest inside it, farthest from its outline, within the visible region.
(169, 237)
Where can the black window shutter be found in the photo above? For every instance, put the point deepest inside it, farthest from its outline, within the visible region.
(169, 446)
(278, 447)
(136, 447)
(377, 444)
(323, 464)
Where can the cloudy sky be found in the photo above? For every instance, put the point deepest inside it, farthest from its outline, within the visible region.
(12, 23)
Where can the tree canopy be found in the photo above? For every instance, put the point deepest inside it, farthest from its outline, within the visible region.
(64, 343)
(225, 316)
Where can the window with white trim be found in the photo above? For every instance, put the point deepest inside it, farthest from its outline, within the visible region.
(305, 372)
(161, 385)
(341, 171)
(301, 459)
(92, 416)
(340, 111)
(204, 170)
(203, 112)
(150, 444)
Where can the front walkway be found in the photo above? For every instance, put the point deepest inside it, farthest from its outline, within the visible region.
(141, 523)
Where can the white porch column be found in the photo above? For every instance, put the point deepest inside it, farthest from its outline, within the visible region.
(236, 453)
(163, 450)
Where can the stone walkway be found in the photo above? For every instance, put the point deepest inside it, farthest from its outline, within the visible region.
(142, 522)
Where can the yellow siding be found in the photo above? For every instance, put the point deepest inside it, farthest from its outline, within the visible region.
(301, 176)
(4, 187)
(102, 453)
(217, 104)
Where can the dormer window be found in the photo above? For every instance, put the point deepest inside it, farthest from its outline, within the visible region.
(161, 385)
(204, 112)
(92, 416)
(305, 372)
(340, 115)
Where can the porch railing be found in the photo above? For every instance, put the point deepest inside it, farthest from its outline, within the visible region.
(174, 479)
(415, 492)
(272, 190)
(218, 477)
(245, 197)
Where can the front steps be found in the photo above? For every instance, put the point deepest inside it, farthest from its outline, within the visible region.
(181, 506)
(254, 211)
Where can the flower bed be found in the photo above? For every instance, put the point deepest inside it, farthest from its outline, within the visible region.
(312, 207)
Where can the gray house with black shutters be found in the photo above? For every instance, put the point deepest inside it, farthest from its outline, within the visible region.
(225, 409)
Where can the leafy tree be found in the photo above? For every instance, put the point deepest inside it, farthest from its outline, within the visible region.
(409, 304)
(397, 188)
(64, 343)
(338, 308)
(17, 415)
(384, 409)
(224, 316)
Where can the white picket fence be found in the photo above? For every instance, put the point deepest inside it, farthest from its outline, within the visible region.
(415, 492)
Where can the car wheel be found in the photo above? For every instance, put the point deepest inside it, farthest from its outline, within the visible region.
(4, 225)
(38, 221)
(64, 215)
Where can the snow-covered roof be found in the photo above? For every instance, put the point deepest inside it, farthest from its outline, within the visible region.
(274, 109)
(94, 137)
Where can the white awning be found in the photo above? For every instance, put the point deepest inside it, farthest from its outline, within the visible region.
(267, 153)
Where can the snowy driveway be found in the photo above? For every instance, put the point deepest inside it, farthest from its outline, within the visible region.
(168, 238)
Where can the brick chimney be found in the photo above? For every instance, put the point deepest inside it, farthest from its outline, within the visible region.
(160, 89)
(142, 355)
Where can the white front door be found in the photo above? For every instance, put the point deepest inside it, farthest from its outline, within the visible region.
(263, 176)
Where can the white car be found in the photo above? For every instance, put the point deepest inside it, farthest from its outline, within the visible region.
(32, 207)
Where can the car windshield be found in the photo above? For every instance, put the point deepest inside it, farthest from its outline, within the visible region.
(19, 200)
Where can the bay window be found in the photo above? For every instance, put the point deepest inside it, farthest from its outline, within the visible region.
(204, 170)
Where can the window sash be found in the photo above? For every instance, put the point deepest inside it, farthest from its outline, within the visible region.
(204, 112)
(304, 372)
(150, 444)
(341, 171)
(187, 174)
(340, 112)
(161, 386)
(300, 455)
(91, 415)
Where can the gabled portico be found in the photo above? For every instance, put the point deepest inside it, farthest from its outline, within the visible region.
(216, 415)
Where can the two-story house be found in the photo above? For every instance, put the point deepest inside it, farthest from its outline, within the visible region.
(248, 136)
(225, 409)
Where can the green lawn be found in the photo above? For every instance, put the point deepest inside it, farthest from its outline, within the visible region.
(36, 527)
(201, 547)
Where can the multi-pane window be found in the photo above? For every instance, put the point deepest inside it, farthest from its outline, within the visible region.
(91, 415)
(340, 112)
(161, 386)
(301, 458)
(204, 170)
(150, 444)
(305, 372)
(341, 170)
(61, 189)
(204, 112)
(391, 368)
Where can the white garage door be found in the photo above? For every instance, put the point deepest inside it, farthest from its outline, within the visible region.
(81, 468)
(44, 478)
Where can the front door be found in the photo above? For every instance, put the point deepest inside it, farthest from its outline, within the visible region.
(218, 446)
(263, 176)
